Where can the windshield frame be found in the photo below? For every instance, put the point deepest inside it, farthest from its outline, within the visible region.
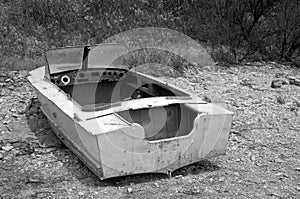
(84, 57)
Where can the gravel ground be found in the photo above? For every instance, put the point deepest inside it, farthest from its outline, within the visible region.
(262, 161)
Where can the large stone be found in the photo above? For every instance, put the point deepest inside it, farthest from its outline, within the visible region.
(7, 148)
(277, 83)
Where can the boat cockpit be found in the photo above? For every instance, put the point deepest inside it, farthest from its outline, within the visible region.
(93, 82)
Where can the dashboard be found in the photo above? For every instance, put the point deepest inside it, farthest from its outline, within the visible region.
(87, 76)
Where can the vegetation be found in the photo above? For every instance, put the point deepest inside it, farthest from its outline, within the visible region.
(232, 30)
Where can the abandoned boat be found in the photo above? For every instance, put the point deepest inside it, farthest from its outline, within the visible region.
(122, 122)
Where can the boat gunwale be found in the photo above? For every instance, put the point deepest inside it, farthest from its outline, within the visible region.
(37, 77)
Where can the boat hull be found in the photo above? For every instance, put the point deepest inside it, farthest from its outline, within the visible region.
(112, 147)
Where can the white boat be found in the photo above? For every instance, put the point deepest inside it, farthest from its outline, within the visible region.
(122, 122)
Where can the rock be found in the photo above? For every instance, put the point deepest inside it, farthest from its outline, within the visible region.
(15, 115)
(289, 77)
(34, 179)
(284, 82)
(277, 83)
(297, 103)
(280, 100)
(278, 75)
(4, 92)
(207, 99)
(297, 169)
(297, 82)
(294, 80)
(246, 82)
(2, 84)
(6, 122)
(129, 190)
(279, 160)
(80, 193)
(234, 138)
(7, 148)
(179, 176)
(15, 151)
(12, 88)
(208, 78)
(1, 156)
(22, 111)
(43, 195)
(44, 150)
(13, 110)
(8, 80)
(221, 179)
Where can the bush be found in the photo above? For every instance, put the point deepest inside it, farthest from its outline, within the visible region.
(235, 30)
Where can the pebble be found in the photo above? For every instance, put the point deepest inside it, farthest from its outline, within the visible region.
(129, 190)
(280, 100)
(277, 83)
(1, 156)
(80, 193)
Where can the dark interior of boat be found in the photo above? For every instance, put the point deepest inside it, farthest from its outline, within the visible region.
(106, 86)
(162, 122)
(103, 86)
